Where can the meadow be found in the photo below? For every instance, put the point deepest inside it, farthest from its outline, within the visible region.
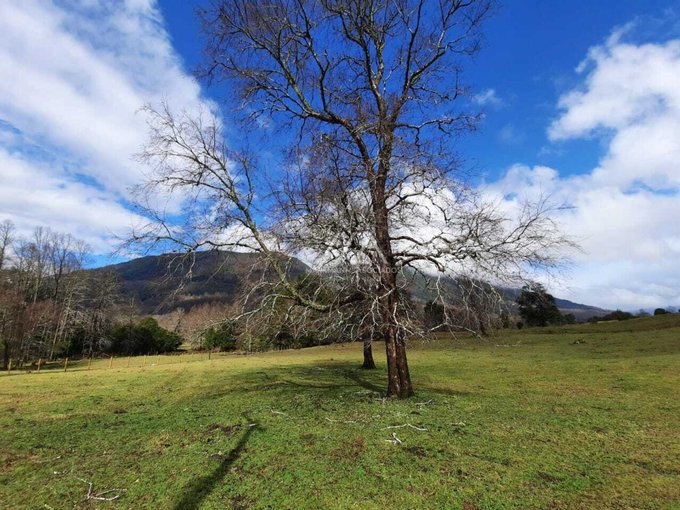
(577, 417)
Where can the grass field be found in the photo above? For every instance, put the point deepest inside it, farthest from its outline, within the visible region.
(582, 417)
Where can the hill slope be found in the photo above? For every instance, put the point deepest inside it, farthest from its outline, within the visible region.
(159, 284)
(162, 283)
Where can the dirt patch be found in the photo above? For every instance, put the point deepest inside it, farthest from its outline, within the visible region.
(547, 477)
(225, 429)
(240, 503)
(352, 450)
(308, 439)
(418, 451)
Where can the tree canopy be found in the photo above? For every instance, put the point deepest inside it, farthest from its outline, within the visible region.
(537, 307)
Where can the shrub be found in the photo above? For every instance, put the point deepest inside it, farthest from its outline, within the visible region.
(142, 338)
(537, 307)
(616, 315)
(221, 337)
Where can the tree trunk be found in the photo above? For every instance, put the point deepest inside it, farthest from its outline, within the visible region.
(5, 354)
(369, 364)
(398, 377)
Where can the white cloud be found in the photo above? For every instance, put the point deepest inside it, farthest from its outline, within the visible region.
(632, 93)
(58, 202)
(73, 75)
(487, 97)
(625, 211)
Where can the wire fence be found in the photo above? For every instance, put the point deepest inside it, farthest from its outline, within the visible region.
(108, 363)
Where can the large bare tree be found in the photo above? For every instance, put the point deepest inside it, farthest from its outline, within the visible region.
(366, 102)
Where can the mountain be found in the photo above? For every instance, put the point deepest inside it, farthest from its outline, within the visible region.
(422, 290)
(162, 283)
(580, 311)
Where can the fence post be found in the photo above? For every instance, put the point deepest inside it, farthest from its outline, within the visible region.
(128, 363)
(111, 362)
(39, 363)
(89, 363)
(144, 363)
(65, 364)
(209, 354)
(9, 367)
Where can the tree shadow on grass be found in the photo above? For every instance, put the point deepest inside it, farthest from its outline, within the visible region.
(326, 379)
(200, 488)
(354, 374)
(330, 376)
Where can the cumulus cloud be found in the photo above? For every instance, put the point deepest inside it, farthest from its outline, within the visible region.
(73, 75)
(631, 92)
(624, 210)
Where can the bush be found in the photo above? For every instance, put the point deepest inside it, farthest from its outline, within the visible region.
(569, 318)
(144, 337)
(537, 307)
(221, 337)
(616, 315)
(660, 311)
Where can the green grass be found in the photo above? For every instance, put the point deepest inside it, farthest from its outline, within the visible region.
(582, 417)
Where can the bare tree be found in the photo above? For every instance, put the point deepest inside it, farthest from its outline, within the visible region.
(46, 298)
(370, 101)
(6, 240)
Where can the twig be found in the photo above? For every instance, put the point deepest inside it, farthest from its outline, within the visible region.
(424, 403)
(279, 413)
(48, 460)
(339, 421)
(458, 424)
(395, 439)
(404, 425)
(99, 496)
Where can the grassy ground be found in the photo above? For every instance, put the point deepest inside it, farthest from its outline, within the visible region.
(583, 417)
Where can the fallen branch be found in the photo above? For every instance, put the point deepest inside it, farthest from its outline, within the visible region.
(395, 439)
(404, 425)
(100, 496)
(339, 421)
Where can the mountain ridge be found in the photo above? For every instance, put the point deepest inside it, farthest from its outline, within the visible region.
(159, 284)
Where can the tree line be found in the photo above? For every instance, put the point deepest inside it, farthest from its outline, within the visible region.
(51, 307)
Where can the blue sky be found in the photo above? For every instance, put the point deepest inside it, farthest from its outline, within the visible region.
(581, 100)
